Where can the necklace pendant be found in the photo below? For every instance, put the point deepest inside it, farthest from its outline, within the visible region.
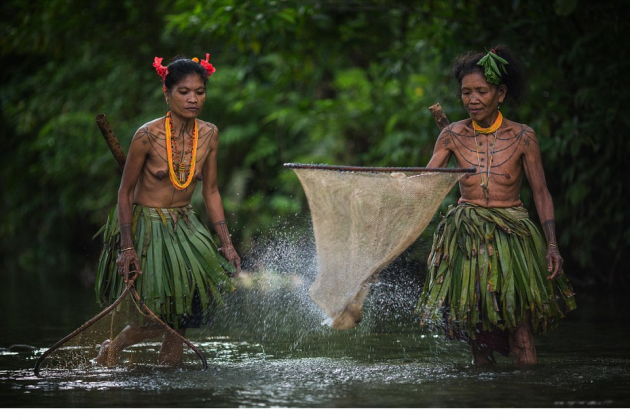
(181, 172)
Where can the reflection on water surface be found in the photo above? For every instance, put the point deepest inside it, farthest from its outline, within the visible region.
(270, 348)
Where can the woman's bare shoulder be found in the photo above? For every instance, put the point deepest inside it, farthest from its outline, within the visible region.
(517, 126)
(207, 128)
(461, 126)
(153, 127)
(522, 134)
(206, 124)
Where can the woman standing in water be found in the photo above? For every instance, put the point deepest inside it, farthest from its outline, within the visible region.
(157, 237)
(493, 280)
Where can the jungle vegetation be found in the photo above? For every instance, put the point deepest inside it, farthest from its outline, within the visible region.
(308, 81)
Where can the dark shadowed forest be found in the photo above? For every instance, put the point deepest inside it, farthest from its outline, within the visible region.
(320, 81)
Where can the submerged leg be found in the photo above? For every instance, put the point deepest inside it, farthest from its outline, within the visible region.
(522, 344)
(482, 354)
(130, 335)
(172, 350)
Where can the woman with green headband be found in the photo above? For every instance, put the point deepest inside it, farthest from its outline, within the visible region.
(493, 279)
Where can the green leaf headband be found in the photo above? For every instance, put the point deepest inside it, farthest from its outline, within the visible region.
(490, 67)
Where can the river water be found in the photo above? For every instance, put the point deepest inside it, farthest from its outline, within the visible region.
(270, 347)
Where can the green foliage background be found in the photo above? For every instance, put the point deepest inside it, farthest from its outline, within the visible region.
(337, 82)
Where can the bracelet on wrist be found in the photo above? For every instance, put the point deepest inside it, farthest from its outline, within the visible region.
(552, 246)
(127, 249)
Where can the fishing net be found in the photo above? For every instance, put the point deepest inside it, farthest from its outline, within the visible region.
(125, 334)
(363, 218)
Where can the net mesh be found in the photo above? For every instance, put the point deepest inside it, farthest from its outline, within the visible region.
(362, 221)
(124, 335)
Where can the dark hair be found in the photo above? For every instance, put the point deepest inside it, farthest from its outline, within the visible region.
(180, 67)
(515, 78)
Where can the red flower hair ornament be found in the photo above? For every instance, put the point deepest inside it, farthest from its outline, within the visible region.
(209, 68)
(162, 71)
(159, 68)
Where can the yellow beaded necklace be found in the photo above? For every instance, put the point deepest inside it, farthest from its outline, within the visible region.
(494, 127)
(180, 182)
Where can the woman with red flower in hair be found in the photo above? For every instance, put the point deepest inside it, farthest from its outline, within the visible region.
(154, 238)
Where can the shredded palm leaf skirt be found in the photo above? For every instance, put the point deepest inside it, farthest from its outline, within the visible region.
(182, 270)
(487, 270)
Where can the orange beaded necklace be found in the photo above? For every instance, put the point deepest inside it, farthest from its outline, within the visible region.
(494, 127)
(180, 182)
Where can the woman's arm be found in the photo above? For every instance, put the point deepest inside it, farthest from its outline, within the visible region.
(214, 204)
(532, 163)
(441, 151)
(136, 158)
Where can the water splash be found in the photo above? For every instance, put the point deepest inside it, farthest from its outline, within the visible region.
(271, 306)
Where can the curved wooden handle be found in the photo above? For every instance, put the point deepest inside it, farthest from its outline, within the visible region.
(79, 330)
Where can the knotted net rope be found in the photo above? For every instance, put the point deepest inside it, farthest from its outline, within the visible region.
(364, 218)
(131, 324)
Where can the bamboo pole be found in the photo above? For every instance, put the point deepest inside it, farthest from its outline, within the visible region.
(111, 140)
(374, 168)
(440, 119)
(438, 114)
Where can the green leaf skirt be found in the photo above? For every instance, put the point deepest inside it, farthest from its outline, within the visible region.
(183, 272)
(487, 270)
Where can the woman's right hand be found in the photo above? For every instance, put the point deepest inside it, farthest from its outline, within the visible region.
(230, 254)
(554, 262)
(128, 265)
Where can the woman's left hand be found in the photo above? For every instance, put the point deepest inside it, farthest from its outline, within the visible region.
(554, 262)
(230, 254)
